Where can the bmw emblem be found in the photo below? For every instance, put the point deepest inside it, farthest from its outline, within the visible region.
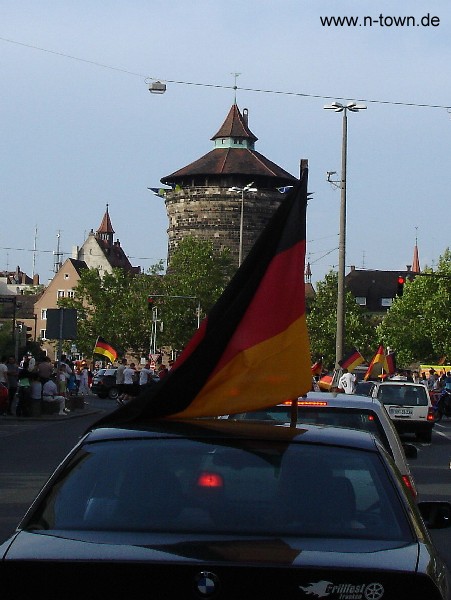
(207, 583)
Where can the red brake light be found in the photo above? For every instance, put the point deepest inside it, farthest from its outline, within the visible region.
(370, 417)
(210, 480)
(409, 485)
(306, 403)
(431, 416)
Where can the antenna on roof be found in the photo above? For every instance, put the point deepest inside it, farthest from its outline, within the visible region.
(235, 87)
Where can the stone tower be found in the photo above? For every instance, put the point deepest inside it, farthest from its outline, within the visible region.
(201, 202)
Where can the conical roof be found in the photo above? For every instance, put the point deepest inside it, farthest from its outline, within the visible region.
(233, 155)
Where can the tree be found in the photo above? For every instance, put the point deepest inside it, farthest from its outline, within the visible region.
(417, 324)
(195, 279)
(115, 307)
(322, 322)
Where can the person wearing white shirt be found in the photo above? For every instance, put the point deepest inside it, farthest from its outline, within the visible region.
(347, 382)
(50, 394)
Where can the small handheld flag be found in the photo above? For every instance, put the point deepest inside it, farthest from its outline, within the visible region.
(352, 360)
(105, 349)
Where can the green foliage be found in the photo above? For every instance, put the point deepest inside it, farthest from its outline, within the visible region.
(418, 323)
(196, 277)
(322, 323)
(115, 306)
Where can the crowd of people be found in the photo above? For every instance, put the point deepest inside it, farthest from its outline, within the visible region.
(433, 381)
(25, 386)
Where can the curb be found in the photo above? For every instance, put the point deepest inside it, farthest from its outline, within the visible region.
(73, 414)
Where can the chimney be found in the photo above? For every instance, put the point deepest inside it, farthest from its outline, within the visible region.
(36, 279)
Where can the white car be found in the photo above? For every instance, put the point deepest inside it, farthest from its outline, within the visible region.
(408, 405)
(342, 410)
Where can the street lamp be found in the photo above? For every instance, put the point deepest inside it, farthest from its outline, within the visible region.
(339, 343)
(243, 190)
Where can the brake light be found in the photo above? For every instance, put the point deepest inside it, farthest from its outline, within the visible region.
(431, 416)
(409, 485)
(370, 417)
(210, 480)
(306, 403)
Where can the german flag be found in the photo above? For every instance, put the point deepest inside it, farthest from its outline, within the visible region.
(390, 363)
(378, 359)
(352, 360)
(252, 351)
(105, 349)
(317, 367)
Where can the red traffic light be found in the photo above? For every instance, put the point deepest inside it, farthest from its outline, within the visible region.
(401, 280)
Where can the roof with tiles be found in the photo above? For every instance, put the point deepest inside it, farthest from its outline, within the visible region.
(237, 157)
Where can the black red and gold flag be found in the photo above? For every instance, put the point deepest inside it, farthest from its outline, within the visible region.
(252, 351)
(105, 349)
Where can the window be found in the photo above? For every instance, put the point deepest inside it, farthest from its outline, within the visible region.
(360, 300)
(386, 302)
(44, 314)
(70, 293)
(60, 293)
(42, 334)
(66, 275)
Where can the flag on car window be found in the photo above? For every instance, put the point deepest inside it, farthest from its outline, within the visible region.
(105, 349)
(377, 364)
(252, 350)
(352, 360)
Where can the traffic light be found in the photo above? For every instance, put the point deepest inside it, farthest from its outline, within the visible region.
(29, 335)
(150, 302)
(401, 282)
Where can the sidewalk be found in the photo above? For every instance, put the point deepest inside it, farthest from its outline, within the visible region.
(75, 413)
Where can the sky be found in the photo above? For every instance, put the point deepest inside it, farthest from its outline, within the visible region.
(80, 130)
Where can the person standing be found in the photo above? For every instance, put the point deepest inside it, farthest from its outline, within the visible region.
(83, 388)
(120, 376)
(3, 371)
(347, 382)
(45, 369)
(129, 379)
(145, 375)
(13, 375)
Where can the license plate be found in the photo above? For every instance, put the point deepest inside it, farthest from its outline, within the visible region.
(400, 412)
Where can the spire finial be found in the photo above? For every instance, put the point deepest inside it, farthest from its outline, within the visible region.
(235, 87)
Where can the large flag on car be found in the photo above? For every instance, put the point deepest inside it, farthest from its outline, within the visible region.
(352, 360)
(252, 351)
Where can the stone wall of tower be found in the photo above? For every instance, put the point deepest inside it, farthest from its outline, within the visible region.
(213, 213)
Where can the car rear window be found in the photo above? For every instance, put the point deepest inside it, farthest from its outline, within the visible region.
(403, 395)
(216, 487)
(353, 418)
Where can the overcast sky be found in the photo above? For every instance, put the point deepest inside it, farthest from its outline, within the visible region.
(79, 128)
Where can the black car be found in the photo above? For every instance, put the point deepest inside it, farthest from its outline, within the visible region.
(104, 384)
(220, 509)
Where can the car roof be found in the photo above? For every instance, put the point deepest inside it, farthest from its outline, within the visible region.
(204, 428)
(398, 382)
(345, 400)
